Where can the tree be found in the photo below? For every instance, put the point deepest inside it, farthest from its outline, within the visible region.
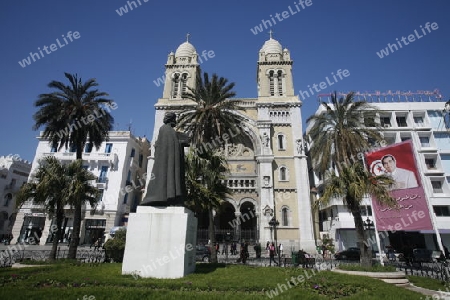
(115, 247)
(208, 120)
(72, 116)
(339, 137)
(80, 192)
(205, 183)
(213, 112)
(352, 184)
(52, 186)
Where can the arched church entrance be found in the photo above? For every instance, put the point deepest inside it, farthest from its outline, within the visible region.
(225, 222)
(248, 222)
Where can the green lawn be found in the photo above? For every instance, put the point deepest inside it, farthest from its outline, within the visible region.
(429, 283)
(69, 281)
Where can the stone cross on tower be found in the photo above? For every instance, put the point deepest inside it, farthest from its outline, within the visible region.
(187, 37)
(270, 33)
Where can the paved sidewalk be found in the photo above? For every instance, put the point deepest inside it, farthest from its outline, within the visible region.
(427, 292)
(19, 266)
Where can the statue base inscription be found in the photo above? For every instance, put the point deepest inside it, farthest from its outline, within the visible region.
(160, 242)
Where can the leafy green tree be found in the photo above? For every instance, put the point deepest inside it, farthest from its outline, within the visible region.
(339, 137)
(213, 113)
(205, 183)
(115, 247)
(211, 116)
(352, 184)
(54, 185)
(72, 116)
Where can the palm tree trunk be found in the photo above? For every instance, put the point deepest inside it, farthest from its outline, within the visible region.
(75, 239)
(212, 237)
(366, 255)
(58, 234)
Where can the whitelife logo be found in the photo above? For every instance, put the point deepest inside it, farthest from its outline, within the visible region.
(411, 38)
(53, 47)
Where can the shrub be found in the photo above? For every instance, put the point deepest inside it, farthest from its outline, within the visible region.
(115, 247)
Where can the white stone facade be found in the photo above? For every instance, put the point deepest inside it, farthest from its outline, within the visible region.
(14, 172)
(119, 164)
(426, 125)
(268, 169)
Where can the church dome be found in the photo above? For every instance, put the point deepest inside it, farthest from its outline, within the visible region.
(185, 49)
(272, 46)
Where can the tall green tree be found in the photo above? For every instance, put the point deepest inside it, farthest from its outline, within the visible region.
(53, 186)
(339, 137)
(209, 122)
(206, 187)
(352, 184)
(72, 116)
(213, 113)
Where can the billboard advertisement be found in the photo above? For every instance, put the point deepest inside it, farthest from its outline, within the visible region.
(411, 211)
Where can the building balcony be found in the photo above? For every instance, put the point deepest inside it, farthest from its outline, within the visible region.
(241, 184)
(101, 182)
(100, 156)
(110, 157)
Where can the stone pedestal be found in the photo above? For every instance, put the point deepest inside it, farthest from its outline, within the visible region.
(160, 242)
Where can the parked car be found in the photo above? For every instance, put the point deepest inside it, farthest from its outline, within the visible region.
(202, 253)
(352, 253)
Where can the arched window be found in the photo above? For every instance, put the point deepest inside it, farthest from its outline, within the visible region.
(283, 174)
(280, 83)
(179, 84)
(271, 83)
(281, 142)
(285, 216)
(184, 78)
(8, 198)
(175, 85)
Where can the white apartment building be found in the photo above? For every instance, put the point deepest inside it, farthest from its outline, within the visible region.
(119, 164)
(422, 118)
(14, 172)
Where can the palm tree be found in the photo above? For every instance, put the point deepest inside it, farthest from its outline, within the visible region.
(51, 186)
(352, 184)
(208, 120)
(74, 115)
(80, 190)
(47, 188)
(213, 112)
(205, 183)
(340, 136)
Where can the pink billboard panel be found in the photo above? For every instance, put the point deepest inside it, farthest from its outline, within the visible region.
(411, 212)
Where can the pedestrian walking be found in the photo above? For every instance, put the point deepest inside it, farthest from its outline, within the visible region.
(272, 252)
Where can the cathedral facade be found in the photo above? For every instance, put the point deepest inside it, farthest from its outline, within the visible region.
(268, 169)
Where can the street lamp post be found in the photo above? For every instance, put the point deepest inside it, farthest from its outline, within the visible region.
(368, 224)
(274, 223)
(227, 240)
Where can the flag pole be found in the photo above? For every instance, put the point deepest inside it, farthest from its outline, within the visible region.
(374, 220)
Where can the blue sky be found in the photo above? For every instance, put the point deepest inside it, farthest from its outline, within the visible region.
(127, 53)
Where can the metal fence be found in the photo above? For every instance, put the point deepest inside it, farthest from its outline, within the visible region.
(437, 270)
(7, 258)
(248, 235)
